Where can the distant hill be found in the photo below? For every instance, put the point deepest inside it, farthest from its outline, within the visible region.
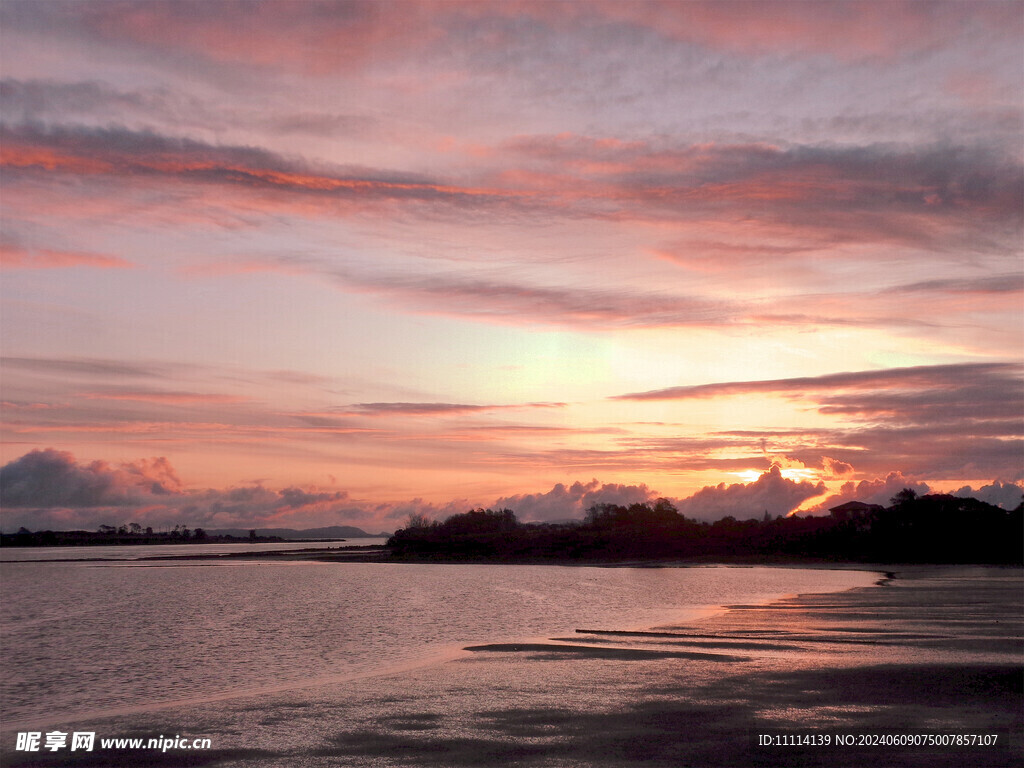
(330, 532)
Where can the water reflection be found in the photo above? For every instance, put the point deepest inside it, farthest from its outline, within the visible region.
(78, 637)
(138, 552)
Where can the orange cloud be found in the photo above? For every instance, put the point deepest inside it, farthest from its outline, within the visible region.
(101, 157)
(803, 196)
(246, 181)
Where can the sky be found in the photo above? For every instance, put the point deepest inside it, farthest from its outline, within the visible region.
(294, 264)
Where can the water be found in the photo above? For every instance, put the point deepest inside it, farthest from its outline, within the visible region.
(84, 639)
(149, 551)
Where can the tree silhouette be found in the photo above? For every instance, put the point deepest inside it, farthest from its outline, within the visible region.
(936, 528)
(904, 498)
(418, 520)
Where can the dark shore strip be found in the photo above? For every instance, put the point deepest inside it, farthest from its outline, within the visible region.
(372, 553)
(369, 553)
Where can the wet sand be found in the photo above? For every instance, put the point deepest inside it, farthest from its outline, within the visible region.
(934, 651)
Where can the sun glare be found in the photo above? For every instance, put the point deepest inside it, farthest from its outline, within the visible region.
(747, 475)
(797, 474)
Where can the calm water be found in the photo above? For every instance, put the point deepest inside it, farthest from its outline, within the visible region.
(141, 552)
(81, 639)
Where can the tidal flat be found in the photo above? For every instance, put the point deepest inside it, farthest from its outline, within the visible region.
(929, 651)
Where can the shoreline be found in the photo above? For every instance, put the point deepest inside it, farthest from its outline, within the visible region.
(378, 554)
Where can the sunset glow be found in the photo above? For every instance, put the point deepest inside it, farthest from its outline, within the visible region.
(316, 263)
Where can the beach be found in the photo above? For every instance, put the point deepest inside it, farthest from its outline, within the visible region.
(887, 675)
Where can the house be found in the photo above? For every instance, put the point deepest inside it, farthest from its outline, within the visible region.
(856, 512)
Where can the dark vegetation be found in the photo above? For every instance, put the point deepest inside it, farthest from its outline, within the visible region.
(329, 533)
(936, 528)
(133, 533)
(128, 534)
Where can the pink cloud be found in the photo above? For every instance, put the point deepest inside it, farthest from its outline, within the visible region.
(320, 37)
(771, 493)
(835, 468)
(14, 257)
(818, 195)
(911, 378)
(876, 491)
(1005, 495)
(184, 431)
(156, 472)
(51, 478)
(928, 421)
(314, 36)
(16, 406)
(46, 488)
(50, 488)
(506, 301)
(844, 29)
(435, 409)
(571, 502)
(119, 152)
(814, 187)
(169, 398)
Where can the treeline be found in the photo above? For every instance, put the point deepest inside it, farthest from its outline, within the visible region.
(127, 534)
(936, 528)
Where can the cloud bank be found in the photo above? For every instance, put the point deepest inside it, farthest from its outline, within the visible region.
(50, 489)
(771, 493)
(571, 502)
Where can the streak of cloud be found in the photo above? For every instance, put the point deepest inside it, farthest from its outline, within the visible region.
(504, 300)
(916, 377)
(325, 36)
(119, 152)
(13, 257)
(416, 409)
(90, 367)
